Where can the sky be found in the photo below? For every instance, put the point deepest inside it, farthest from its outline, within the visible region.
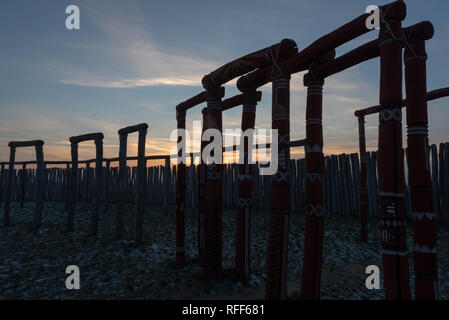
(133, 61)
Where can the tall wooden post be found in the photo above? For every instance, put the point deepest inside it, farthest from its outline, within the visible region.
(276, 282)
(40, 174)
(22, 184)
(122, 186)
(363, 185)
(213, 193)
(202, 190)
(98, 194)
(67, 186)
(2, 173)
(391, 163)
(166, 184)
(86, 185)
(425, 235)
(141, 181)
(180, 189)
(73, 188)
(313, 241)
(107, 177)
(243, 236)
(12, 157)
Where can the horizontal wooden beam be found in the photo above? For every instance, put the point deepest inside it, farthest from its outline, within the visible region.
(131, 129)
(431, 95)
(31, 143)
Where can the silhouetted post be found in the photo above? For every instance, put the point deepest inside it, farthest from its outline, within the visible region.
(107, 177)
(276, 283)
(86, 185)
(425, 234)
(391, 163)
(22, 184)
(213, 193)
(313, 239)
(243, 235)
(180, 187)
(40, 174)
(141, 180)
(98, 194)
(166, 184)
(363, 186)
(122, 186)
(2, 173)
(12, 157)
(73, 188)
(202, 189)
(67, 186)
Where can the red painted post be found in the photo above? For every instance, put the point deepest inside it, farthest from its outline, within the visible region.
(276, 283)
(363, 185)
(425, 235)
(242, 248)
(180, 191)
(391, 164)
(213, 193)
(313, 241)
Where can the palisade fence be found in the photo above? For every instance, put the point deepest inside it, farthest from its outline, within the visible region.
(341, 184)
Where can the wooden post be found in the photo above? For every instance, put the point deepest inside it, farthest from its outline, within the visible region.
(391, 163)
(12, 157)
(276, 282)
(313, 242)
(166, 184)
(2, 173)
(202, 190)
(107, 182)
(180, 189)
(67, 186)
(98, 195)
(122, 187)
(86, 185)
(363, 187)
(425, 220)
(245, 181)
(74, 187)
(22, 184)
(39, 187)
(213, 193)
(141, 180)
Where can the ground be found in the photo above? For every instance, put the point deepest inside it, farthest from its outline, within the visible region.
(32, 264)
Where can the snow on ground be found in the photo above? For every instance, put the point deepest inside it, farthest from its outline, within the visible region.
(32, 265)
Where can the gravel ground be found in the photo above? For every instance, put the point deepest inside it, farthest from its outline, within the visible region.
(32, 265)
